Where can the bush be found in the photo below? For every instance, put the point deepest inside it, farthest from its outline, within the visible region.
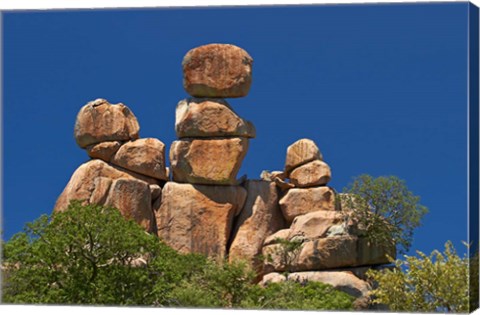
(435, 283)
(218, 284)
(294, 295)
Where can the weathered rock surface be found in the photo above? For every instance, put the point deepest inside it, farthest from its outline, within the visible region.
(324, 253)
(132, 197)
(144, 156)
(200, 118)
(100, 192)
(90, 181)
(260, 217)
(328, 253)
(103, 150)
(320, 254)
(212, 161)
(315, 173)
(217, 70)
(315, 225)
(298, 201)
(198, 218)
(99, 121)
(312, 226)
(97, 182)
(301, 152)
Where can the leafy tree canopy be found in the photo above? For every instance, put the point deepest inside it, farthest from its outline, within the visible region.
(88, 255)
(92, 255)
(386, 209)
(438, 282)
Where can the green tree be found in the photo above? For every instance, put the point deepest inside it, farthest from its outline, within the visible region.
(385, 209)
(434, 283)
(89, 255)
(92, 255)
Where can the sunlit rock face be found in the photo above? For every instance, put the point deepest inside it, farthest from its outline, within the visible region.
(217, 70)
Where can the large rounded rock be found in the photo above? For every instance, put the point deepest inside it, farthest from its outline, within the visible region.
(99, 121)
(212, 161)
(298, 201)
(200, 118)
(315, 173)
(217, 70)
(198, 218)
(301, 152)
(94, 182)
(144, 156)
(260, 217)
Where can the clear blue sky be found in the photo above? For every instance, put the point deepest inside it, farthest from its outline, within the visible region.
(382, 89)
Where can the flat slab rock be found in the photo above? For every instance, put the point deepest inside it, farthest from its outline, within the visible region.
(327, 253)
(200, 118)
(99, 121)
(207, 161)
(260, 217)
(97, 182)
(217, 70)
(298, 201)
(198, 218)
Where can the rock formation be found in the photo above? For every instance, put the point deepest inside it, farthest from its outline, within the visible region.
(217, 70)
(199, 205)
(260, 217)
(198, 218)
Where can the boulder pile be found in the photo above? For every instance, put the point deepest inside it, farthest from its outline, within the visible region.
(125, 172)
(200, 206)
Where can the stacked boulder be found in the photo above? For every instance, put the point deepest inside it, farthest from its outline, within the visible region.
(288, 226)
(200, 204)
(125, 172)
(322, 243)
(309, 175)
